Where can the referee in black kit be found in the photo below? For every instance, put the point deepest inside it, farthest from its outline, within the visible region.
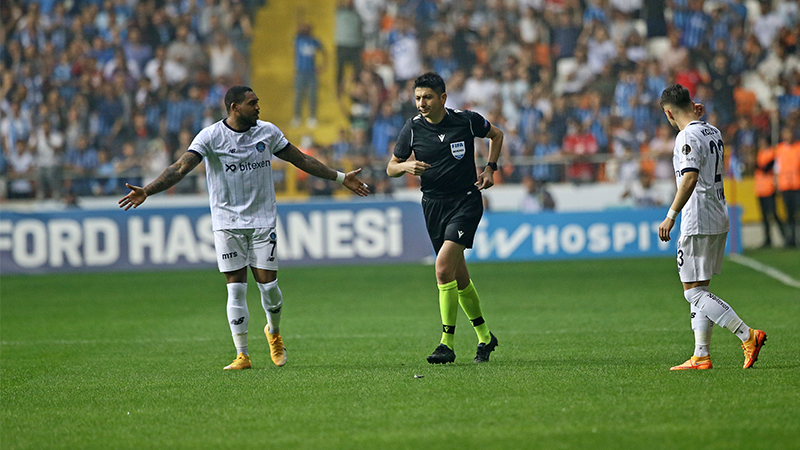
(442, 142)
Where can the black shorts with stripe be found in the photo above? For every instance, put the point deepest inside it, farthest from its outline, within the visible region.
(455, 218)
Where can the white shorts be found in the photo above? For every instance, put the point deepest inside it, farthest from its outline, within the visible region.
(700, 256)
(249, 247)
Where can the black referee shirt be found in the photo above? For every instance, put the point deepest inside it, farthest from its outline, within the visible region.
(448, 146)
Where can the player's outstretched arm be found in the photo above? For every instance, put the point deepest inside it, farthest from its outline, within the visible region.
(168, 178)
(313, 166)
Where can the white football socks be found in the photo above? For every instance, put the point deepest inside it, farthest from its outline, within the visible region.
(238, 315)
(702, 327)
(717, 310)
(272, 301)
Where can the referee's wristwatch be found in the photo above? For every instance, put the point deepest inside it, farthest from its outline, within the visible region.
(492, 165)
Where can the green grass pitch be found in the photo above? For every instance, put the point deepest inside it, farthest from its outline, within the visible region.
(133, 361)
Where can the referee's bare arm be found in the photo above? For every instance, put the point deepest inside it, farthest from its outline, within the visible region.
(399, 166)
(496, 136)
(486, 177)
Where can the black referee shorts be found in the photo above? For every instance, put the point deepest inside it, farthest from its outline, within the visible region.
(453, 219)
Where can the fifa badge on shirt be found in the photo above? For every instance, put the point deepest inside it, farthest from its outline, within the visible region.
(686, 149)
(458, 149)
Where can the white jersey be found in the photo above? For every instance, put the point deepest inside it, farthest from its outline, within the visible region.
(699, 148)
(239, 173)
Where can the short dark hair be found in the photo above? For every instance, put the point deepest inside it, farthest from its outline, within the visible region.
(430, 80)
(236, 95)
(676, 95)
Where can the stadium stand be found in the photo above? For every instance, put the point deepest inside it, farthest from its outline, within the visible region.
(96, 93)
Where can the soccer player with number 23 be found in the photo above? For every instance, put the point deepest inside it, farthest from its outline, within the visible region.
(698, 160)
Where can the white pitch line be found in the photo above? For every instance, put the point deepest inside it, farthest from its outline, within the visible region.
(765, 269)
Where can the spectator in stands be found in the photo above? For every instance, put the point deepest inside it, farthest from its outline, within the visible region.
(15, 126)
(723, 83)
(162, 70)
(22, 167)
(579, 147)
(241, 29)
(574, 74)
(481, 90)
(80, 165)
(223, 58)
(136, 50)
(306, 48)
(660, 148)
(49, 144)
(371, 12)
(536, 198)
(62, 57)
(547, 154)
(128, 165)
(564, 32)
(625, 148)
(105, 180)
(349, 38)
(600, 49)
(444, 61)
(385, 129)
(674, 55)
(185, 50)
(766, 26)
(405, 51)
(365, 93)
(643, 193)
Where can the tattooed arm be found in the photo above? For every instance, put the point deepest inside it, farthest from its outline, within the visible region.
(170, 177)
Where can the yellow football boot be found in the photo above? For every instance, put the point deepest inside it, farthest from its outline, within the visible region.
(242, 361)
(752, 347)
(695, 362)
(276, 348)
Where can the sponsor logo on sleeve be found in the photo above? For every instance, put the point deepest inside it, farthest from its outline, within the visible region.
(686, 149)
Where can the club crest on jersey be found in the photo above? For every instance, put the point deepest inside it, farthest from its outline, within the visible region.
(261, 146)
(686, 149)
(458, 149)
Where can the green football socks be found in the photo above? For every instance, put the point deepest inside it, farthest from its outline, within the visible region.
(471, 304)
(448, 306)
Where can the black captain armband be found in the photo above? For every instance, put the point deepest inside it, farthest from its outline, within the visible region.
(492, 165)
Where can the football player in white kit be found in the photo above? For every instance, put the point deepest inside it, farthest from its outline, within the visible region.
(698, 162)
(237, 153)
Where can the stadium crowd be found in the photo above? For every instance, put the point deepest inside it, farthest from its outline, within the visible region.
(99, 92)
(96, 93)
